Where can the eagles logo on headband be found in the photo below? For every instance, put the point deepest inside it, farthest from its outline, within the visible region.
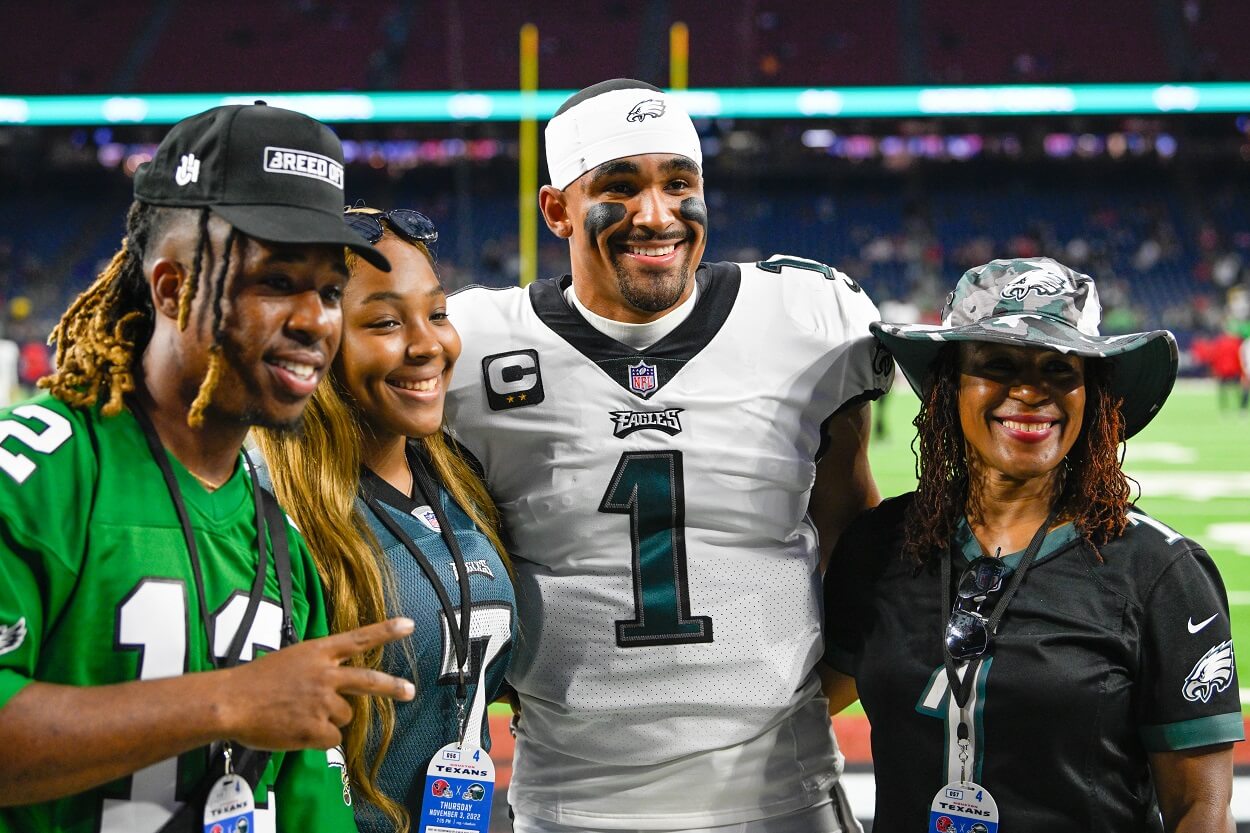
(612, 120)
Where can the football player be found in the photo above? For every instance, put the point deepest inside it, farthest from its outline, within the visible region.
(654, 430)
(135, 546)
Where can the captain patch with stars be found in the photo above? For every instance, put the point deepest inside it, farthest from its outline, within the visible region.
(512, 380)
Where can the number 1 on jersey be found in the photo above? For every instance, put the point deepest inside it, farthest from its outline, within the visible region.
(647, 486)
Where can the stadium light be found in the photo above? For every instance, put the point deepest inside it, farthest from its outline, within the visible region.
(737, 102)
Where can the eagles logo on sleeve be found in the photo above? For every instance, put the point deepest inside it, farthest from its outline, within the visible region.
(12, 636)
(1211, 675)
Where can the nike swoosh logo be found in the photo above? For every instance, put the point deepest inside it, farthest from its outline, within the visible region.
(1195, 628)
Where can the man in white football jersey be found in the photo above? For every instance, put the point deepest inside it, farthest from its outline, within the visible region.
(650, 428)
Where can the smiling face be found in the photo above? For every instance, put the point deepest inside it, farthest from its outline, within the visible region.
(1021, 409)
(399, 346)
(637, 228)
(281, 324)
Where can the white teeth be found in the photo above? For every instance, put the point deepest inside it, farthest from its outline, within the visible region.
(1026, 426)
(425, 385)
(303, 371)
(639, 250)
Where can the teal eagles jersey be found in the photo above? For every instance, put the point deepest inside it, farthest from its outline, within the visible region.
(667, 574)
(1097, 663)
(428, 658)
(96, 587)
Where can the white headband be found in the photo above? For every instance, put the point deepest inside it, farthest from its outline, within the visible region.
(616, 124)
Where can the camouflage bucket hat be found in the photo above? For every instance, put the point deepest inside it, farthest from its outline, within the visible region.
(1037, 302)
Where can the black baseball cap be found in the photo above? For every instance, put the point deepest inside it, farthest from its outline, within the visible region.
(273, 174)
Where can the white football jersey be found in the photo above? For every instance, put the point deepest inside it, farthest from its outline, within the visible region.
(667, 576)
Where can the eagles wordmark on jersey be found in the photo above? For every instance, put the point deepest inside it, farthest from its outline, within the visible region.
(667, 577)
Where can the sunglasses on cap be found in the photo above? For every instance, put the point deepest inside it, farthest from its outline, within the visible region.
(411, 225)
(967, 632)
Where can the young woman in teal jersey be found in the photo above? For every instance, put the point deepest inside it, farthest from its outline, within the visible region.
(362, 481)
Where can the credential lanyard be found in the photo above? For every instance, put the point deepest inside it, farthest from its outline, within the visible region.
(265, 516)
(459, 637)
(961, 690)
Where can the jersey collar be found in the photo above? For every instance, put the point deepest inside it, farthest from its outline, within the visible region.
(1055, 540)
(642, 372)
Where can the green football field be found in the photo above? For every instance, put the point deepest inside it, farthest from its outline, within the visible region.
(1193, 464)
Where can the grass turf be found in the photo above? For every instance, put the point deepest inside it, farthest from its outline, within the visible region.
(1193, 464)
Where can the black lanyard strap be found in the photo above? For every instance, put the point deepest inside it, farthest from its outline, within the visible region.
(235, 651)
(233, 654)
(961, 690)
(430, 493)
(275, 518)
(425, 485)
(251, 762)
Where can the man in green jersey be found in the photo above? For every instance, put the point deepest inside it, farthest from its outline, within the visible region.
(129, 546)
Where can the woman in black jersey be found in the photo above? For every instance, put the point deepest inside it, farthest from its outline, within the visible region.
(1032, 650)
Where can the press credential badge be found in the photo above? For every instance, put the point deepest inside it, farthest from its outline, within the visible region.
(459, 788)
(963, 807)
(230, 807)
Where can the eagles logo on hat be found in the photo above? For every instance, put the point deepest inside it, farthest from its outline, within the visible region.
(273, 174)
(1038, 302)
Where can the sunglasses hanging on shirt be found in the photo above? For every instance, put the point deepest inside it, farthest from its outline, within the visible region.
(967, 632)
(967, 639)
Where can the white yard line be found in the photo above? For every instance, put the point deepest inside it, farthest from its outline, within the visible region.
(862, 793)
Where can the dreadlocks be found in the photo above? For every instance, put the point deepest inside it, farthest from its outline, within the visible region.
(100, 337)
(1094, 492)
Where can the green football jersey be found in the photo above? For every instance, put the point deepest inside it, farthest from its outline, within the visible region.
(96, 587)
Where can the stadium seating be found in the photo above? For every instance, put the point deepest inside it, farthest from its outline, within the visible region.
(67, 47)
(1218, 32)
(897, 243)
(239, 45)
(264, 46)
(991, 41)
(782, 43)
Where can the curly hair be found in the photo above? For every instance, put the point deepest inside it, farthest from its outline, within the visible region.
(108, 326)
(1094, 492)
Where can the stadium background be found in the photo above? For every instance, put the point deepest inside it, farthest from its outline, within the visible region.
(1153, 204)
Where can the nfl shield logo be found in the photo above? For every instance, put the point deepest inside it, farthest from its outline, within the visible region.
(642, 378)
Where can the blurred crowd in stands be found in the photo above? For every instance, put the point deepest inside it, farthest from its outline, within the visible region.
(1169, 248)
(1159, 260)
(141, 45)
